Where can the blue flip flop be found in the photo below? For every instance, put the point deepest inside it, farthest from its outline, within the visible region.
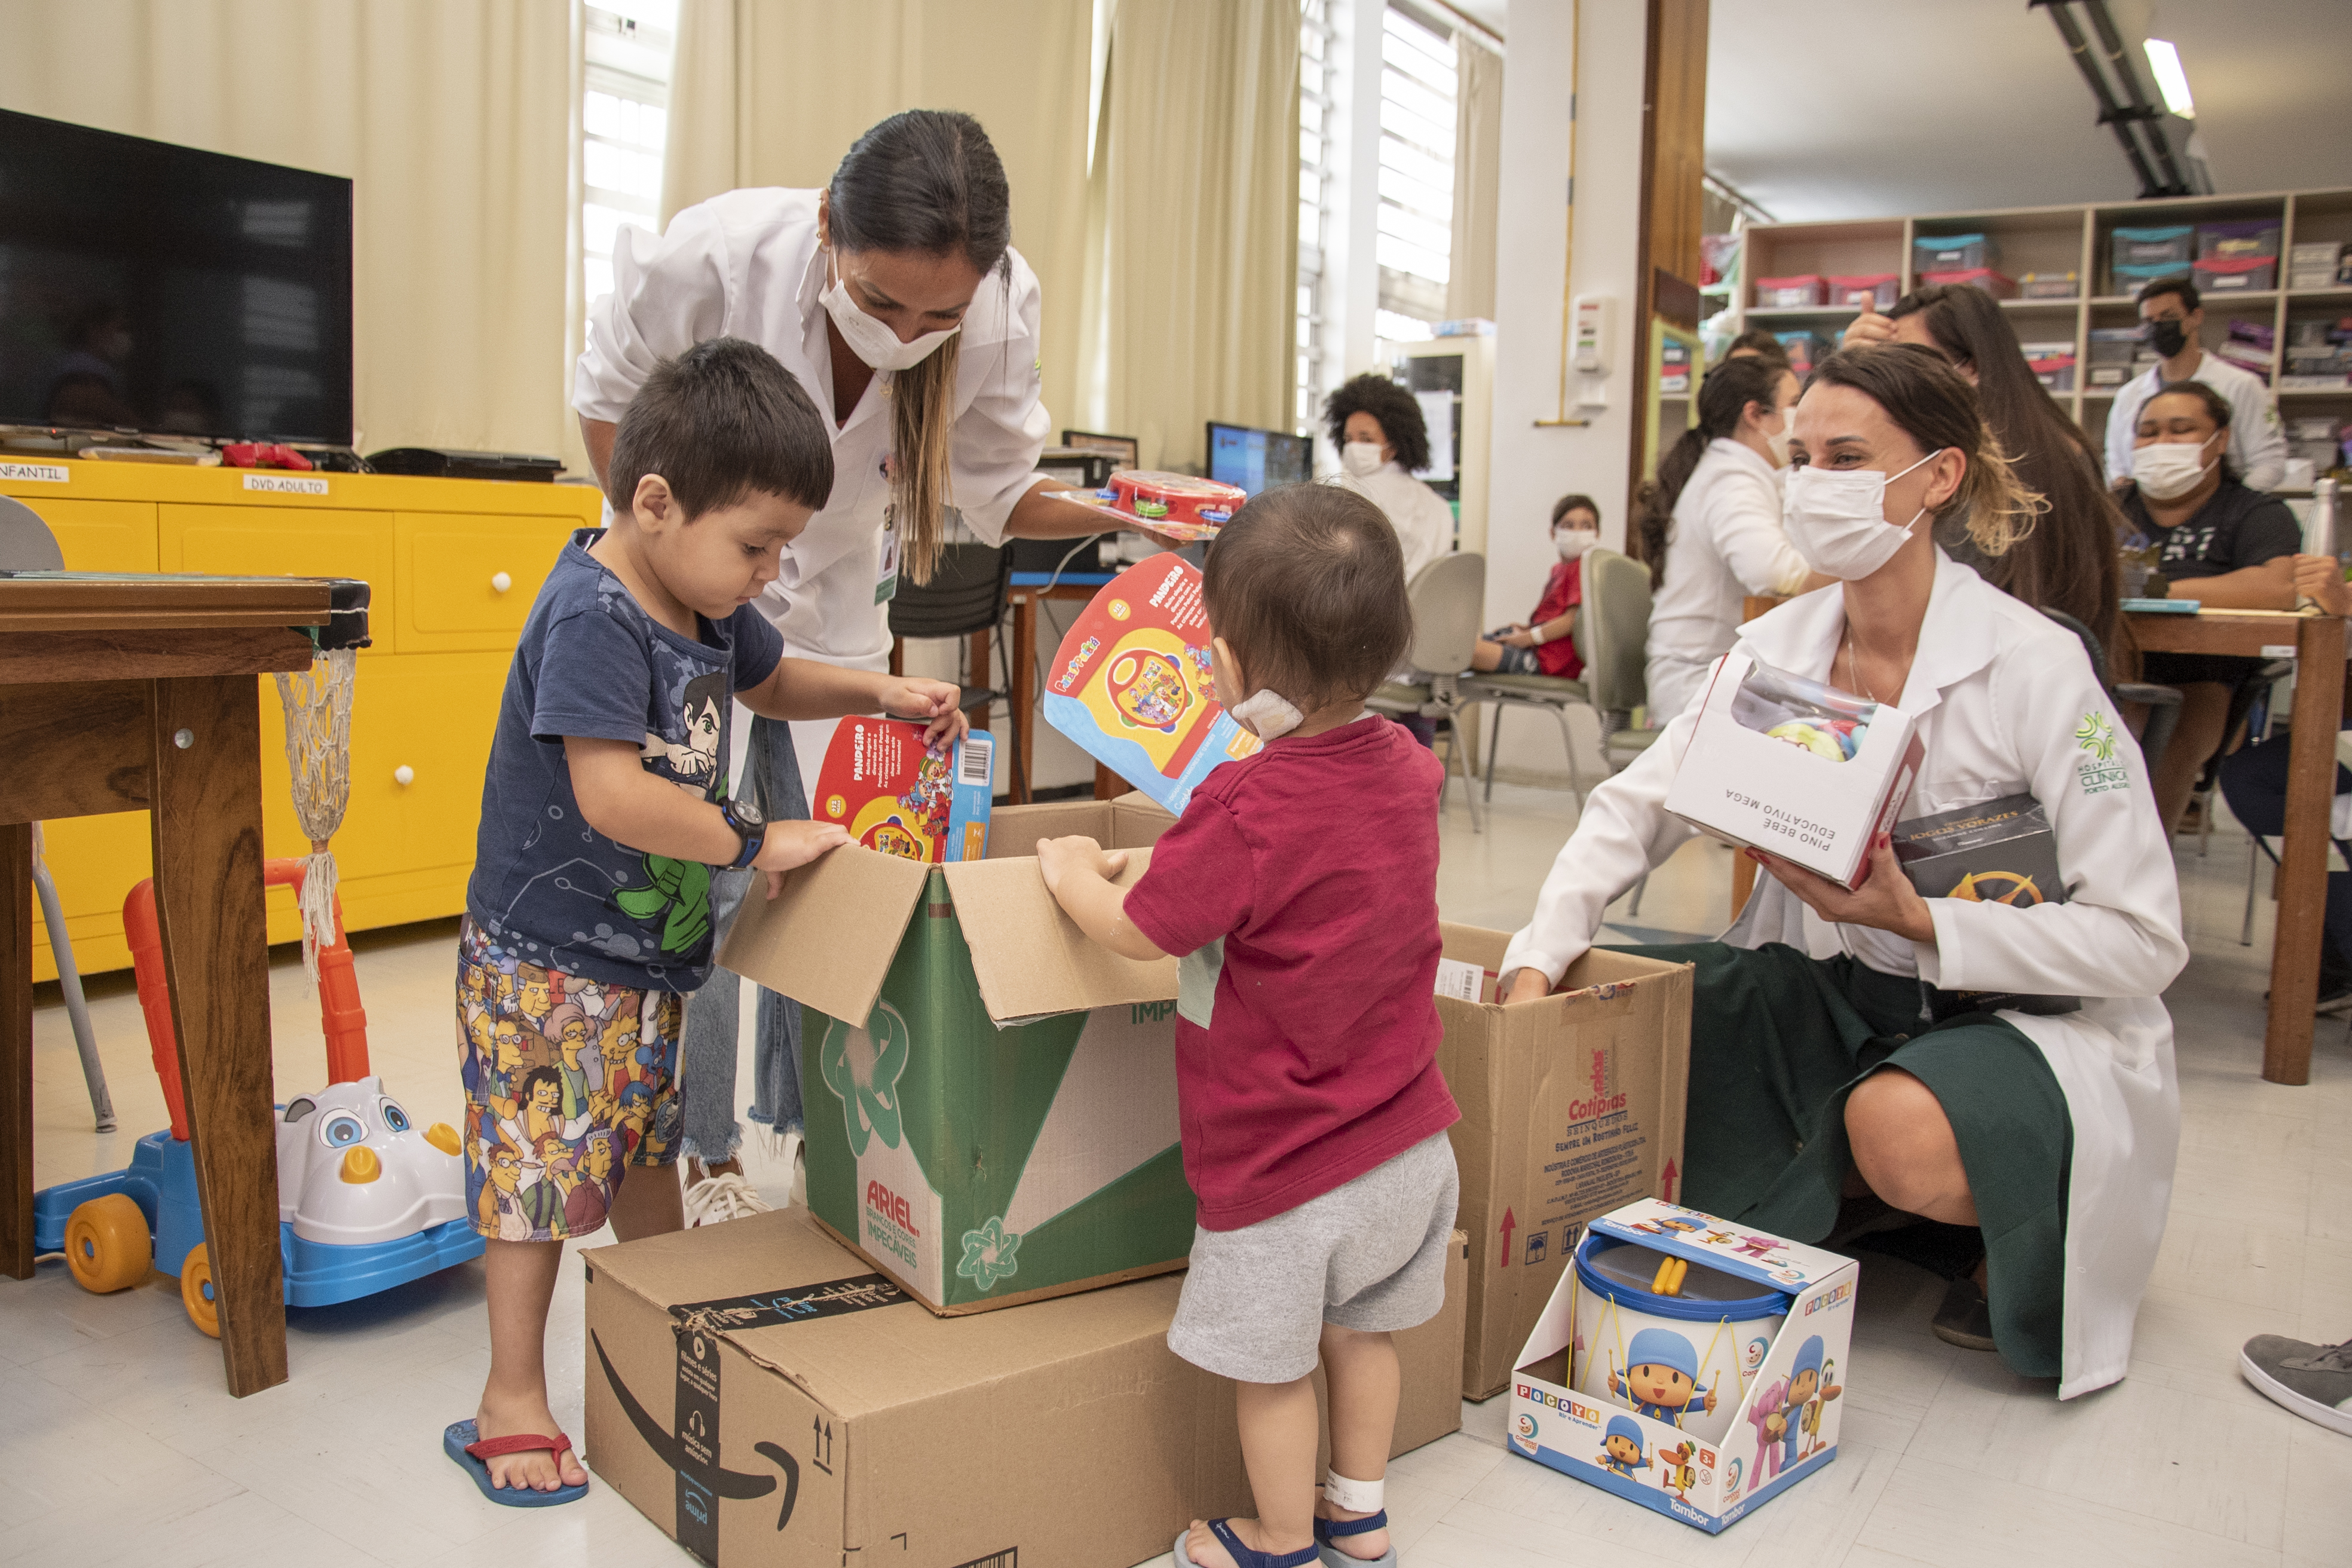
(1243, 1556)
(1329, 1529)
(472, 1452)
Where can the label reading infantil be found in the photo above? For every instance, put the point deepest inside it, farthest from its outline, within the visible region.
(37, 473)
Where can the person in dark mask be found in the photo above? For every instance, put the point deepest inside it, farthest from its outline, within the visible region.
(2173, 319)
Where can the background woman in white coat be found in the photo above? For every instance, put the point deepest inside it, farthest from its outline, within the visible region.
(1381, 437)
(895, 297)
(1709, 526)
(1828, 1060)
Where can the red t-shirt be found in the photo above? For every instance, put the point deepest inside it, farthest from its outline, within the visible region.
(1562, 593)
(1302, 883)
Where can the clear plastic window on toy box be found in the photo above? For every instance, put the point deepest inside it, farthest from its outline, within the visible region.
(1825, 721)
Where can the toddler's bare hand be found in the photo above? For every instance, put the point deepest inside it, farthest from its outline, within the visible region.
(1078, 855)
(791, 844)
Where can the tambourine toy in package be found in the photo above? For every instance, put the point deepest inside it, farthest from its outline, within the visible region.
(1795, 767)
(1177, 506)
(1132, 684)
(897, 796)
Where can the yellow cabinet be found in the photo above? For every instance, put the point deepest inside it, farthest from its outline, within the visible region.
(265, 541)
(467, 582)
(101, 535)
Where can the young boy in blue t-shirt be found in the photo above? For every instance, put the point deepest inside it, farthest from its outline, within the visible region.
(605, 807)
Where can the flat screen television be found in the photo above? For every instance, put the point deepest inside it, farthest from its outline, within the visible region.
(1257, 459)
(152, 288)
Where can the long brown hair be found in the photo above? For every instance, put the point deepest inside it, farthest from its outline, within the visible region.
(1723, 397)
(925, 179)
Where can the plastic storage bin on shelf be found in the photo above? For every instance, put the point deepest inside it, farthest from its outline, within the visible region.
(1877, 290)
(2236, 275)
(2172, 244)
(2237, 241)
(2312, 264)
(1802, 349)
(1953, 252)
(2052, 365)
(2114, 353)
(1789, 293)
(2049, 286)
(2130, 277)
(1998, 285)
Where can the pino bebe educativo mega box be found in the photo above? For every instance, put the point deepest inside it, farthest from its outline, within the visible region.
(991, 1095)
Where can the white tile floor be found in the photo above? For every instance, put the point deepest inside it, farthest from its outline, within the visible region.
(118, 1445)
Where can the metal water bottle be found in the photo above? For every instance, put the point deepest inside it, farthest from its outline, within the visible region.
(2319, 533)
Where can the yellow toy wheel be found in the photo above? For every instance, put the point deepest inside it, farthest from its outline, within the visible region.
(196, 1290)
(107, 1248)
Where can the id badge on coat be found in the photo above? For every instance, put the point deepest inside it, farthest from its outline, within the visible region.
(886, 579)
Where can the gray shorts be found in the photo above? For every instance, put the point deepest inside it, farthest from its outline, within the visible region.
(1367, 1255)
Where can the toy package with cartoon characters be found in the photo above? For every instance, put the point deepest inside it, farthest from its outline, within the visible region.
(894, 794)
(1132, 686)
(1687, 1363)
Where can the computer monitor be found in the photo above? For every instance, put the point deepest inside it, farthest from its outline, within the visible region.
(1256, 459)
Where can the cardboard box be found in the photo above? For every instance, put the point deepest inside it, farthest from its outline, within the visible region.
(1571, 1106)
(1704, 1485)
(1753, 790)
(990, 1094)
(763, 1397)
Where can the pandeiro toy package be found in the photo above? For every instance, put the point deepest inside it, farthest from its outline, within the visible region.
(1133, 687)
(880, 782)
(1794, 767)
(1687, 1363)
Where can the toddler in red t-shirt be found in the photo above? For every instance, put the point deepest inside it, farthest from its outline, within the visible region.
(1300, 886)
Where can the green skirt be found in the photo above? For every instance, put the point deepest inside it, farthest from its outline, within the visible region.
(1778, 1040)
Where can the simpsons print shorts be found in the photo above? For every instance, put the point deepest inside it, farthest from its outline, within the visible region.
(569, 1083)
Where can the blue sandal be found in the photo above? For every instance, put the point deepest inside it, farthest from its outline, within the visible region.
(464, 1443)
(1245, 1556)
(1329, 1529)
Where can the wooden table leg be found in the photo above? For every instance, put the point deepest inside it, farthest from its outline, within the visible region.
(16, 1050)
(2302, 856)
(208, 901)
(980, 675)
(1024, 693)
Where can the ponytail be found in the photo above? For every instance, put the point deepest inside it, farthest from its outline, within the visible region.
(1723, 397)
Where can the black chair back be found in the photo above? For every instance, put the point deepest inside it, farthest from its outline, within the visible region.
(966, 593)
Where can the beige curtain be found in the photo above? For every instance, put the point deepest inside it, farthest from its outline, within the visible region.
(1192, 304)
(772, 92)
(1477, 182)
(451, 117)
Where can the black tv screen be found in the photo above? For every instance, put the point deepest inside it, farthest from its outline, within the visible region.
(153, 288)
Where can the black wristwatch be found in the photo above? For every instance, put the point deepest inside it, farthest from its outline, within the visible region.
(749, 826)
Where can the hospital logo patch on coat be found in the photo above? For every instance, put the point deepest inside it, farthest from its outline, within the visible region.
(2098, 768)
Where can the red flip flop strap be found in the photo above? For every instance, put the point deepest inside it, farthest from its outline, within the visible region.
(524, 1443)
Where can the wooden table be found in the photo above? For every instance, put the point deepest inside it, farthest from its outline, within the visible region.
(1024, 601)
(123, 694)
(2317, 644)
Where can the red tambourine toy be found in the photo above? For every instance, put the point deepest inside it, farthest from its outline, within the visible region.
(1180, 506)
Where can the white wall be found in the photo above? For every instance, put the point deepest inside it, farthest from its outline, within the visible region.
(1532, 466)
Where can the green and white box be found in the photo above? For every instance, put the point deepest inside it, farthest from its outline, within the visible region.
(991, 1096)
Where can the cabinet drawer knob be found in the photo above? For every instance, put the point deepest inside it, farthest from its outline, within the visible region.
(404, 775)
(500, 582)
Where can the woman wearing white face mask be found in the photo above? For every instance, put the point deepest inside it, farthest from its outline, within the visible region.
(1543, 646)
(1709, 526)
(2219, 542)
(1381, 437)
(1827, 1061)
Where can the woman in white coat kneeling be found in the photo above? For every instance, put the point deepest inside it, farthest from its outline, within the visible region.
(1831, 1058)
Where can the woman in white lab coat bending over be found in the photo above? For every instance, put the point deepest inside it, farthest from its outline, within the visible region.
(1837, 1083)
(1709, 526)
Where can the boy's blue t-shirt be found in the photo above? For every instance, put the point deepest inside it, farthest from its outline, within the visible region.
(546, 886)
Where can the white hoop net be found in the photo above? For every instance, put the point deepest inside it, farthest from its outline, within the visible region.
(318, 704)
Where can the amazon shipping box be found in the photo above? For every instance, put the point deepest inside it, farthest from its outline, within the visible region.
(990, 1094)
(765, 1396)
(1571, 1106)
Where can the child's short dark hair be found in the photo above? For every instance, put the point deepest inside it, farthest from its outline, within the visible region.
(1306, 586)
(718, 421)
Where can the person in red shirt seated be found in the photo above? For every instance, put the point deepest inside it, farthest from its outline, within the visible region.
(1300, 888)
(1546, 645)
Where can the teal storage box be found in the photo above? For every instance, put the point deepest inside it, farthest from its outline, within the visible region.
(1953, 252)
(2173, 243)
(2133, 276)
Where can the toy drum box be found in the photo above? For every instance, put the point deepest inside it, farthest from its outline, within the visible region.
(1794, 767)
(1687, 1363)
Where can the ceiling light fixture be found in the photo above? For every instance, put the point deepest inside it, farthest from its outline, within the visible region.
(2164, 64)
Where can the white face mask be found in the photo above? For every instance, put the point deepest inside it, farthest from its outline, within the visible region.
(1778, 440)
(870, 339)
(1837, 518)
(1361, 458)
(2170, 468)
(1572, 542)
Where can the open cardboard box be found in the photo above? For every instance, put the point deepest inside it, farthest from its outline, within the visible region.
(1571, 1106)
(1785, 1424)
(990, 1094)
(764, 1395)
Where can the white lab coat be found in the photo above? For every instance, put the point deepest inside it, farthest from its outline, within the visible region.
(1423, 522)
(2257, 443)
(1726, 543)
(2006, 702)
(746, 265)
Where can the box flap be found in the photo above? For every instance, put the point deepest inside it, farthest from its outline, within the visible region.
(828, 938)
(1030, 958)
(1787, 1265)
(1014, 830)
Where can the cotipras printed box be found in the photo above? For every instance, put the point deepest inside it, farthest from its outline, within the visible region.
(1687, 1363)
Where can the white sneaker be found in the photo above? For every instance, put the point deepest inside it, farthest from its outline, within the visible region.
(723, 1197)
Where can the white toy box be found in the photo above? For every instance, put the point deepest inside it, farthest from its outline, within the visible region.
(1760, 774)
(1718, 1429)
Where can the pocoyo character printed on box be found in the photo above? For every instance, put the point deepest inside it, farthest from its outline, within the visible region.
(1621, 1448)
(1660, 1376)
(1780, 1414)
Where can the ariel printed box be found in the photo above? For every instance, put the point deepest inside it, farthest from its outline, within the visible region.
(991, 1095)
(1687, 1363)
(1132, 684)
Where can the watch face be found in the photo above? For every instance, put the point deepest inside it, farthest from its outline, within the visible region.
(746, 813)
